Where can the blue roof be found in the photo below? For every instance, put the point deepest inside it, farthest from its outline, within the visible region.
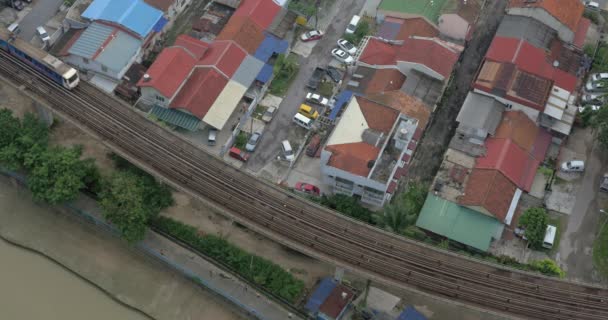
(265, 74)
(135, 15)
(341, 99)
(270, 46)
(411, 314)
(389, 30)
(320, 294)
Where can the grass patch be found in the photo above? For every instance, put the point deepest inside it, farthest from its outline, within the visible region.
(326, 88)
(259, 111)
(600, 250)
(285, 70)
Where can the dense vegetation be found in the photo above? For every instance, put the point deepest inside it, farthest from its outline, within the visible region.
(535, 221)
(284, 70)
(254, 268)
(362, 30)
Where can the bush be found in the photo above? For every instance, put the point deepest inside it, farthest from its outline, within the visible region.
(535, 221)
(348, 206)
(241, 140)
(592, 15)
(253, 268)
(547, 267)
(363, 29)
(284, 70)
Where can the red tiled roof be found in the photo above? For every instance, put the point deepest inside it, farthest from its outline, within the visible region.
(353, 157)
(491, 190)
(581, 32)
(380, 118)
(200, 91)
(385, 79)
(168, 71)
(335, 303)
(417, 27)
(243, 31)
(194, 46)
(225, 55)
(377, 52)
(430, 52)
(517, 126)
(401, 172)
(261, 11)
(511, 160)
(530, 59)
(162, 5)
(406, 104)
(568, 12)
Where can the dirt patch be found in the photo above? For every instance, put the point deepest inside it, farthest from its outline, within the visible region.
(195, 213)
(11, 98)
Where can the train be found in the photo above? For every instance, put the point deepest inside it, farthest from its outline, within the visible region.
(50, 66)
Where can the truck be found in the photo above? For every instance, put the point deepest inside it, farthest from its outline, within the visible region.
(315, 79)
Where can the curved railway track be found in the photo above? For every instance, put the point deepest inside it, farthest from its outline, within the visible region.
(307, 227)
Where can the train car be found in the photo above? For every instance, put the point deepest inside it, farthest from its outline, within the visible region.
(52, 67)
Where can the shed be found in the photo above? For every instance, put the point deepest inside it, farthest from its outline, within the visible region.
(323, 290)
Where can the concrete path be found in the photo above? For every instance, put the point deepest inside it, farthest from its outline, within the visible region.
(41, 12)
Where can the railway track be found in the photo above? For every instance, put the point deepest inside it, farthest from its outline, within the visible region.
(307, 227)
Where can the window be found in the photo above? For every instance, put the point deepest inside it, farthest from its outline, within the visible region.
(85, 60)
(509, 106)
(104, 68)
(161, 99)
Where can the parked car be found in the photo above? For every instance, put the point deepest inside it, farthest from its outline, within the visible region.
(604, 183)
(599, 76)
(596, 86)
(317, 98)
(268, 114)
(238, 154)
(315, 79)
(308, 111)
(42, 34)
(311, 35)
(347, 46)
(287, 151)
(352, 25)
(313, 145)
(592, 98)
(15, 4)
(342, 56)
(253, 141)
(573, 166)
(308, 188)
(592, 107)
(212, 137)
(592, 5)
(334, 74)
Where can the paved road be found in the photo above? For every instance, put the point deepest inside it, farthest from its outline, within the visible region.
(42, 11)
(576, 246)
(320, 56)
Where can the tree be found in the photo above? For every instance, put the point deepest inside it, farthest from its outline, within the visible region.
(122, 203)
(535, 221)
(404, 210)
(548, 267)
(599, 122)
(58, 174)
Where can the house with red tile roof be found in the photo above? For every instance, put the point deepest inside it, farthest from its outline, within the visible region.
(370, 147)
(563, 16)
(542, 83)
(430, 56)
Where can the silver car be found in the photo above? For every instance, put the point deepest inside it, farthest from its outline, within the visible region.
(253, 141)
(342, 56)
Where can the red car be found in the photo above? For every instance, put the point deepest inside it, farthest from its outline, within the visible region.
(311, 35)
(238, 154)
(308, 188)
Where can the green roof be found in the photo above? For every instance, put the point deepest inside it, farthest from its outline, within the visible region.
(458, 223)
(430, 9)
(177, 118)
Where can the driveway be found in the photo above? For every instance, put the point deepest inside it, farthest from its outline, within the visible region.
(576, 245)
(42, 11)
(320, 56)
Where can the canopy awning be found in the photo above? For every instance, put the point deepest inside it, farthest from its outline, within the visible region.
(177, 118)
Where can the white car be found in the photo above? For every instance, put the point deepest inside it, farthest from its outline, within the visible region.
(599, 76)
(589, 98)
(347, 46)
(287, 151)
(42, 34)
(317, 98)
(342, 56)
(592, 5)
(573, 166)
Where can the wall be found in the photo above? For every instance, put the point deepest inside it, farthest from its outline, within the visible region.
(563, 32)
(149, 94)
(406, 68)
(531, 113)
(96, 67)
(453, 26)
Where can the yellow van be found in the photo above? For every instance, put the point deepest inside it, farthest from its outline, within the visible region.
(308, 111)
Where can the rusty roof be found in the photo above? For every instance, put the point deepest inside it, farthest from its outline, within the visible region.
(381, 80)
(379, 117)
(568, 12)
(406, 104)
(353, 157)
(517, 126)
(244, 31)
(490, 190)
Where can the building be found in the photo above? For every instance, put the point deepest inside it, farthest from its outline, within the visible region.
(453, 18)
(369, 149)
(565, 17)
(134, 15)
(171, 8)
(330, 300)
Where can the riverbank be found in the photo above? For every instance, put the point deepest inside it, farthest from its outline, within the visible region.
(105, 261)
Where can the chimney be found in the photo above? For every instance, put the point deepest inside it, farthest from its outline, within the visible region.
(555, 63)
(344, 295)
(147, 77)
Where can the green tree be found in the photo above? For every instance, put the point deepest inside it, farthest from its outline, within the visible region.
(535, 221)
(548, 267)
(58, 174)
(348, 206)
(404, 210)
(599, 122)
(122, 203)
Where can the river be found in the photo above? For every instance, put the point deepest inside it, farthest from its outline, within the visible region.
(33, 287)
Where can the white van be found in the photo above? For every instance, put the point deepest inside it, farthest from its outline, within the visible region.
(302, 121)
(352, 26)
(549, 237)
(287, 150)
(573, 166)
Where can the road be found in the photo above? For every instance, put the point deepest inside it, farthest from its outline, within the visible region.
(576, 246)
(320, 56)
(42, 11)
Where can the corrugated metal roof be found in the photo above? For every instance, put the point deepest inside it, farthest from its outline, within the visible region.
(175, 117)
(265, 73)
(91, 40)
(455, 222)
(326, 286)
(247, 71)
(480, 112)
(135, 15)
(410, 313)
(119, 51)
(270, 46)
